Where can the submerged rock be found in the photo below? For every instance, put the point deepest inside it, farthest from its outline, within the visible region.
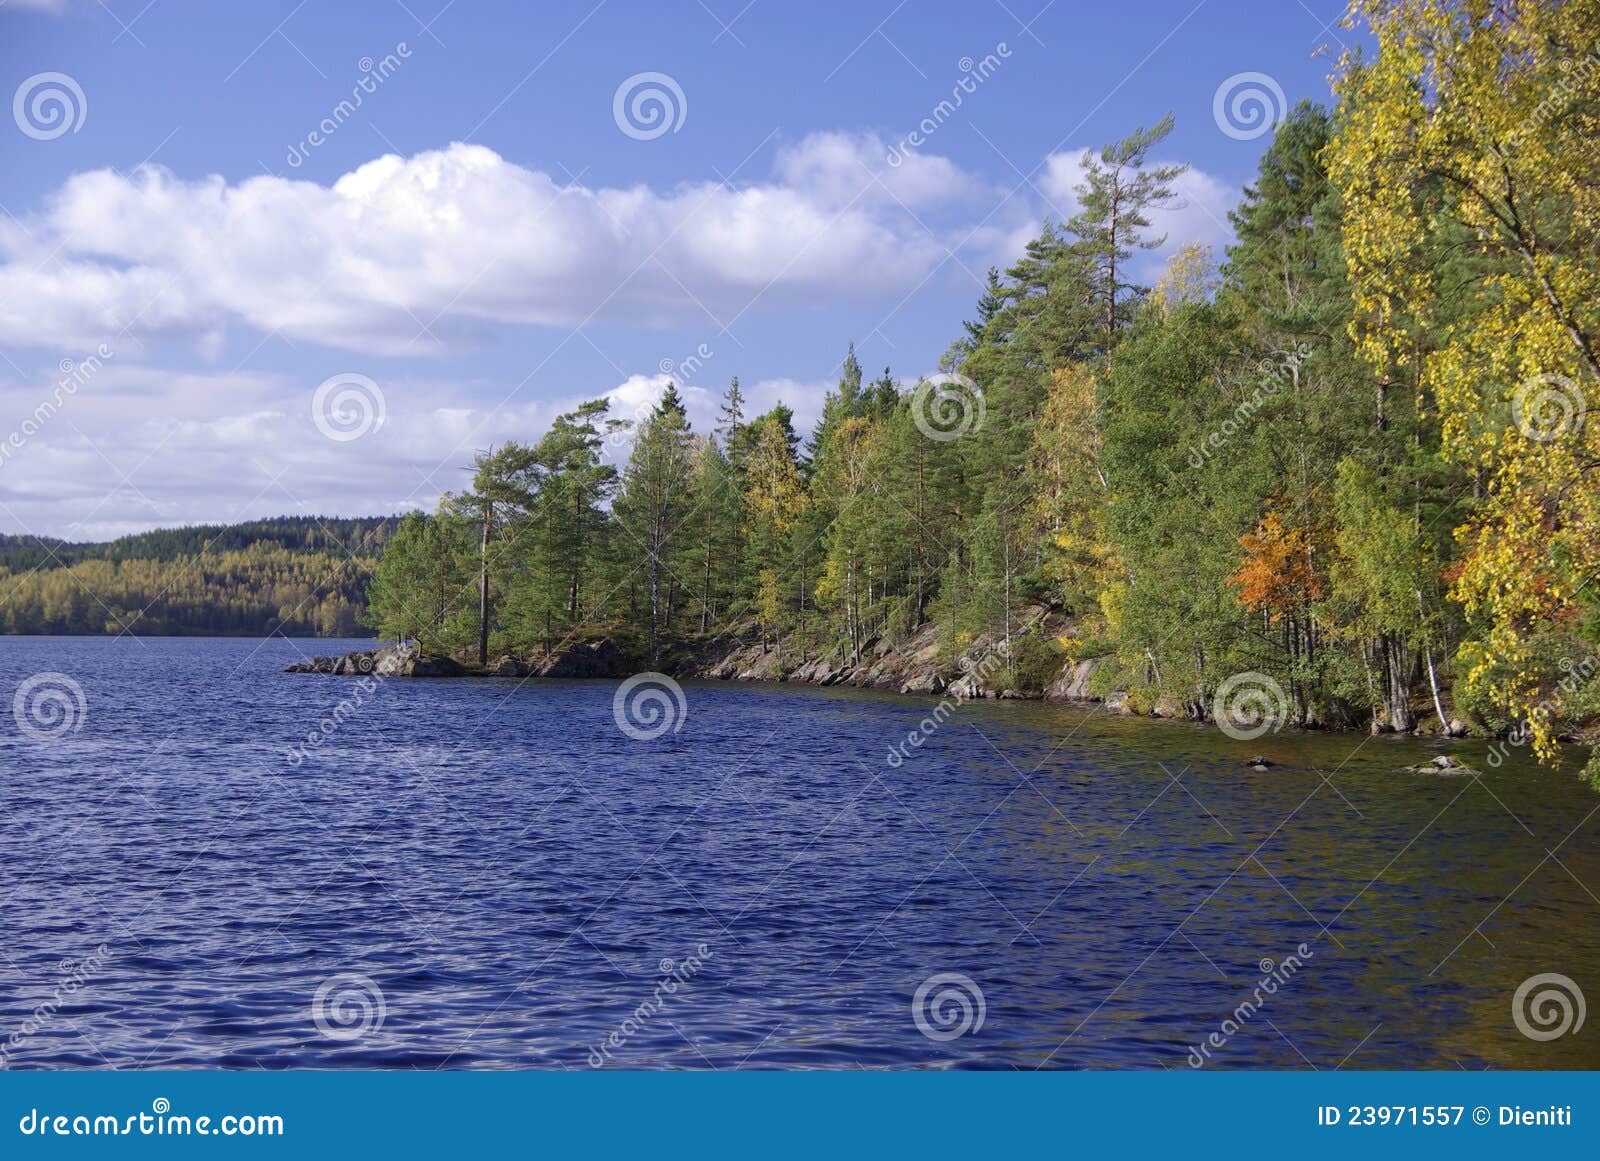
(1440, 764)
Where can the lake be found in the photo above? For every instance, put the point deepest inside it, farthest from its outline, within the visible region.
(493, 874)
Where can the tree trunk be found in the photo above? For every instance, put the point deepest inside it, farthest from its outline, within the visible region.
(483, 586)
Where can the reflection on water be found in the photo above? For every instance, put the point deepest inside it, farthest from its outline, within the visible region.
(482, 874)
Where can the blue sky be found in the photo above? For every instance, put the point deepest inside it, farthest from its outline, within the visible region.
(482, 242)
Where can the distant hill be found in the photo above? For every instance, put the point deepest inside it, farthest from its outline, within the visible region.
(299, 575)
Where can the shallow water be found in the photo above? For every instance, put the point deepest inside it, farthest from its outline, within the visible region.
(493, 874)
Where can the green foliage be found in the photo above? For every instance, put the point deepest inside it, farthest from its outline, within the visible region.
(300, 576)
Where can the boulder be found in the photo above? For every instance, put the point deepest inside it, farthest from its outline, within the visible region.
(929, 682)
(508, 667)
(966, 687)
(1440, 764)
(436, 665)
(602, 659)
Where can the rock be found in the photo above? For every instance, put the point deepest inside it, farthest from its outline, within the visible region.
(1117, 702)
(965, 687)
(1072, 683)
(1439, 765)
(1258, 761)
(436, 665)
(1455, 728)
(1010, 695)
(394, 660)
(923, 683)
(600, 660)
(508, 667)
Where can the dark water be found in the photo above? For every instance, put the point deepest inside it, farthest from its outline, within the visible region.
(499, 872)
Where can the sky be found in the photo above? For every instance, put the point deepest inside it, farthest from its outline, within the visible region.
(309, 257)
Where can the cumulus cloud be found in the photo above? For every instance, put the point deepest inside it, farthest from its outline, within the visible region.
(407, 254)
(403, 254)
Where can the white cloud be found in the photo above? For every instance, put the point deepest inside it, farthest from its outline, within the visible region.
(405, 253)
(839, 169)
(1199, 213)
(135, 447)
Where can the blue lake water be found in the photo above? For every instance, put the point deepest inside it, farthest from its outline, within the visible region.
(493, 874)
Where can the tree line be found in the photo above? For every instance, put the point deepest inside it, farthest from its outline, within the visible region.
(299, 576)
(1349, 456)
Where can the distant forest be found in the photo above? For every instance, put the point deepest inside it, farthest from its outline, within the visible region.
(298, 575)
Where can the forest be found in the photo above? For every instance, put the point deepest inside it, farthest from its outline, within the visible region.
(1349, 453)
(295, 575)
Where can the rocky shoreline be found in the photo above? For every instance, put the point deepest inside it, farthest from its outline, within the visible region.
(919, 664)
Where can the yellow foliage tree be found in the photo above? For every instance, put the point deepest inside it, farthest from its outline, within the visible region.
(1471, 184)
